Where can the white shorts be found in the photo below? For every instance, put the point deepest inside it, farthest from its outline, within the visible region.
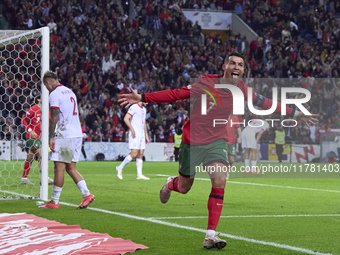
(137, 143)
(248, 140)
(67, 150)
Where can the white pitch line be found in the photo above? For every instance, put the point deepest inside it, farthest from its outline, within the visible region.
(285, 187)
(283, 246)
(10, 214)
(250, 216)
(267, 185)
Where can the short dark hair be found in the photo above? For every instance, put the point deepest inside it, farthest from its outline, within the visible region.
(50, 75)
(236, 54)
(37, 98)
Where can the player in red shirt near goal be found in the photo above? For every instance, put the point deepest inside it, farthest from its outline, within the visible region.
(203, 142)
(32, 122)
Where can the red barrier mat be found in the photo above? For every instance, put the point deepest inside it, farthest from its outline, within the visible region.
(23, 233)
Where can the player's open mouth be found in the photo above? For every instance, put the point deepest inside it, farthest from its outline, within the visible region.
(234, 75)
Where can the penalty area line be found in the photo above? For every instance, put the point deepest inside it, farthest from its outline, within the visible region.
(277, 245)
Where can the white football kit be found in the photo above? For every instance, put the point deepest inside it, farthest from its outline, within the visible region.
(248, 134)
(68, 136)
(137, 121)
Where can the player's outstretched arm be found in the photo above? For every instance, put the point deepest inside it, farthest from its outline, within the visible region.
(310, 120)
(163, 96)
(129, 99)
(266, 103)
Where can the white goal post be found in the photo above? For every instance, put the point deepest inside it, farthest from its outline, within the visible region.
(23, 54)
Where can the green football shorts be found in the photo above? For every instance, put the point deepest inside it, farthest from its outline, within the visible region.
(33, 144)
(231, 148)
(191, 156)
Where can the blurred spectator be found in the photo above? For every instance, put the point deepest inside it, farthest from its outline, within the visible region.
(160, 136)
(97, 135)
(5, 134)
(119, 133)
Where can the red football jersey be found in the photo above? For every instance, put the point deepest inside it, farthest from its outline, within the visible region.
(231, 129)
(199, 130)
(32, 119)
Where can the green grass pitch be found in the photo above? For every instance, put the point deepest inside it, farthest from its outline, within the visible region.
(284, 215)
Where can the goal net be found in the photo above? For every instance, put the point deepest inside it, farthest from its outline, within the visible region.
(24, 57)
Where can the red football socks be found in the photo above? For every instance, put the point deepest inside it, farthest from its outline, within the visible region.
(215, 205)
(173, 184)
(27, 168)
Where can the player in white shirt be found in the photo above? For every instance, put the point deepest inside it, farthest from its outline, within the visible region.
(135, 120)
(65, 140)
(249, 142)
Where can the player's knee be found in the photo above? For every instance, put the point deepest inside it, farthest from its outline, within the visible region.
(231, 160)
(133, 155)
(58, 169)
(30, 158)
(219, 183)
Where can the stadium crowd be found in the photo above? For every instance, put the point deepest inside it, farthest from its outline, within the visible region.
(101, 48)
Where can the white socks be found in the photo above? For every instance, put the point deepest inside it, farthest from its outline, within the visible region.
(83, 188)
(253, 165)
(125, 161)
(56, 191)
(210, 232)
(246, 162)
(56, 194)
(139, 164)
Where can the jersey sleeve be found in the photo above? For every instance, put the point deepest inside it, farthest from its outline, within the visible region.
(266, 103)
(54, 101)
(167, 96)
(26, 119)
(132, 110)
(265, 126)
